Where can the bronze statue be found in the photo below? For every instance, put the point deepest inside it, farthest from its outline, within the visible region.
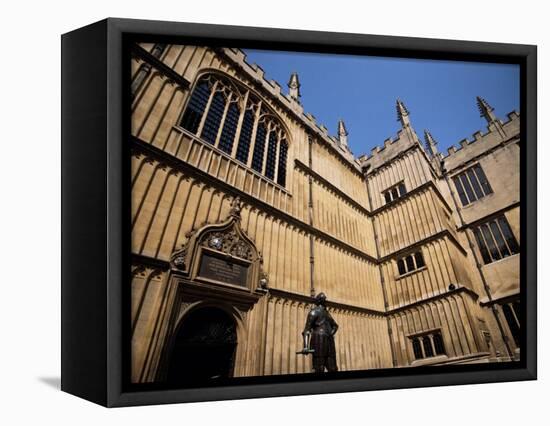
(318, 337)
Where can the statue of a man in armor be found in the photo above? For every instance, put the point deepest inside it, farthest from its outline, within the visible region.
(318, 337)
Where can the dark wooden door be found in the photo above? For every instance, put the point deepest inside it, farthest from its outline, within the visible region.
(204, 347)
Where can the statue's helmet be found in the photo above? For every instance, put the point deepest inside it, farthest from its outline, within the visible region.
(321, 298)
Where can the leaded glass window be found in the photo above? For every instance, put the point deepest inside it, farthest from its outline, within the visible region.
(402, 189)
(271, 153)
(394, 192)
(281, 173)
(417, 348)
(246, 136)
(428, 345)
(410, 263)
(192, 117)
(495, 240)
(213, 118)
(259, 147)
(471, 185)
(229, 128)
(223, 113)
(419, 259)
(401, 267)
(508, 235)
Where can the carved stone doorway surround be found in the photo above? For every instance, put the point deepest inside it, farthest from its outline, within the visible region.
(218, 267)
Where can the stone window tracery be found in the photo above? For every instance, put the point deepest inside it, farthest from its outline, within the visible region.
(410, 263)
(259, 148)
(394, 192)
(495, 239)
(245, 137)
(195, 109)
(472, 185)
(236, 121)
(213, 118)
(428, 345)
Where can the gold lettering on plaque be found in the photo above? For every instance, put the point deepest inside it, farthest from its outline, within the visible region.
(222, 269)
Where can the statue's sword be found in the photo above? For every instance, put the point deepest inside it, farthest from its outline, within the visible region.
(305, 351)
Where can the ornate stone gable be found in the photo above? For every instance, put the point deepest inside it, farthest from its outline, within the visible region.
(228, 240)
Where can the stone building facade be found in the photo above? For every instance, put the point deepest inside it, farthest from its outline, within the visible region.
(243, 208)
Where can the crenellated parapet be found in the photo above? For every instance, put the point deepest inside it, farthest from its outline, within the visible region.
(380, 234)
(404, 140)
(392, 148)
(497, 133)
(291, 101)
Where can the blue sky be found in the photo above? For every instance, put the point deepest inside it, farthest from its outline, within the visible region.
(362, 90)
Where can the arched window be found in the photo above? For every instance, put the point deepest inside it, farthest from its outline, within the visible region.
(401, 267)
(417, 348)
(410, 263)
(224, 113)
(428, 350)
(419, 259)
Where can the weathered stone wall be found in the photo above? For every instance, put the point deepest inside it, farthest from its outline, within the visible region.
(328, 229)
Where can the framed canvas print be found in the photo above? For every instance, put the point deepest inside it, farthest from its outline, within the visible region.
(253, 212)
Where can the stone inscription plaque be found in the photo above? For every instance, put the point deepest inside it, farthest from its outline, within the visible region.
(218, 268)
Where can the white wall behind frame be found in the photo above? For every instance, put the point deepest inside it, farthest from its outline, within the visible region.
(30, 176)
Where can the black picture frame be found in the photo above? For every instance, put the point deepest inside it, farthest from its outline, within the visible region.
(95, 196)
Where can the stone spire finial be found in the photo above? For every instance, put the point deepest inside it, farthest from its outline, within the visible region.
(294, 87)
(431, 143)
(342, 134)
(402, 113)
(486, 110)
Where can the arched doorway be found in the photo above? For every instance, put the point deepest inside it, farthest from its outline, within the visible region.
(204, 347)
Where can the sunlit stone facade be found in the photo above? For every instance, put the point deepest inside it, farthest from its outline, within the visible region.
(417, 251)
